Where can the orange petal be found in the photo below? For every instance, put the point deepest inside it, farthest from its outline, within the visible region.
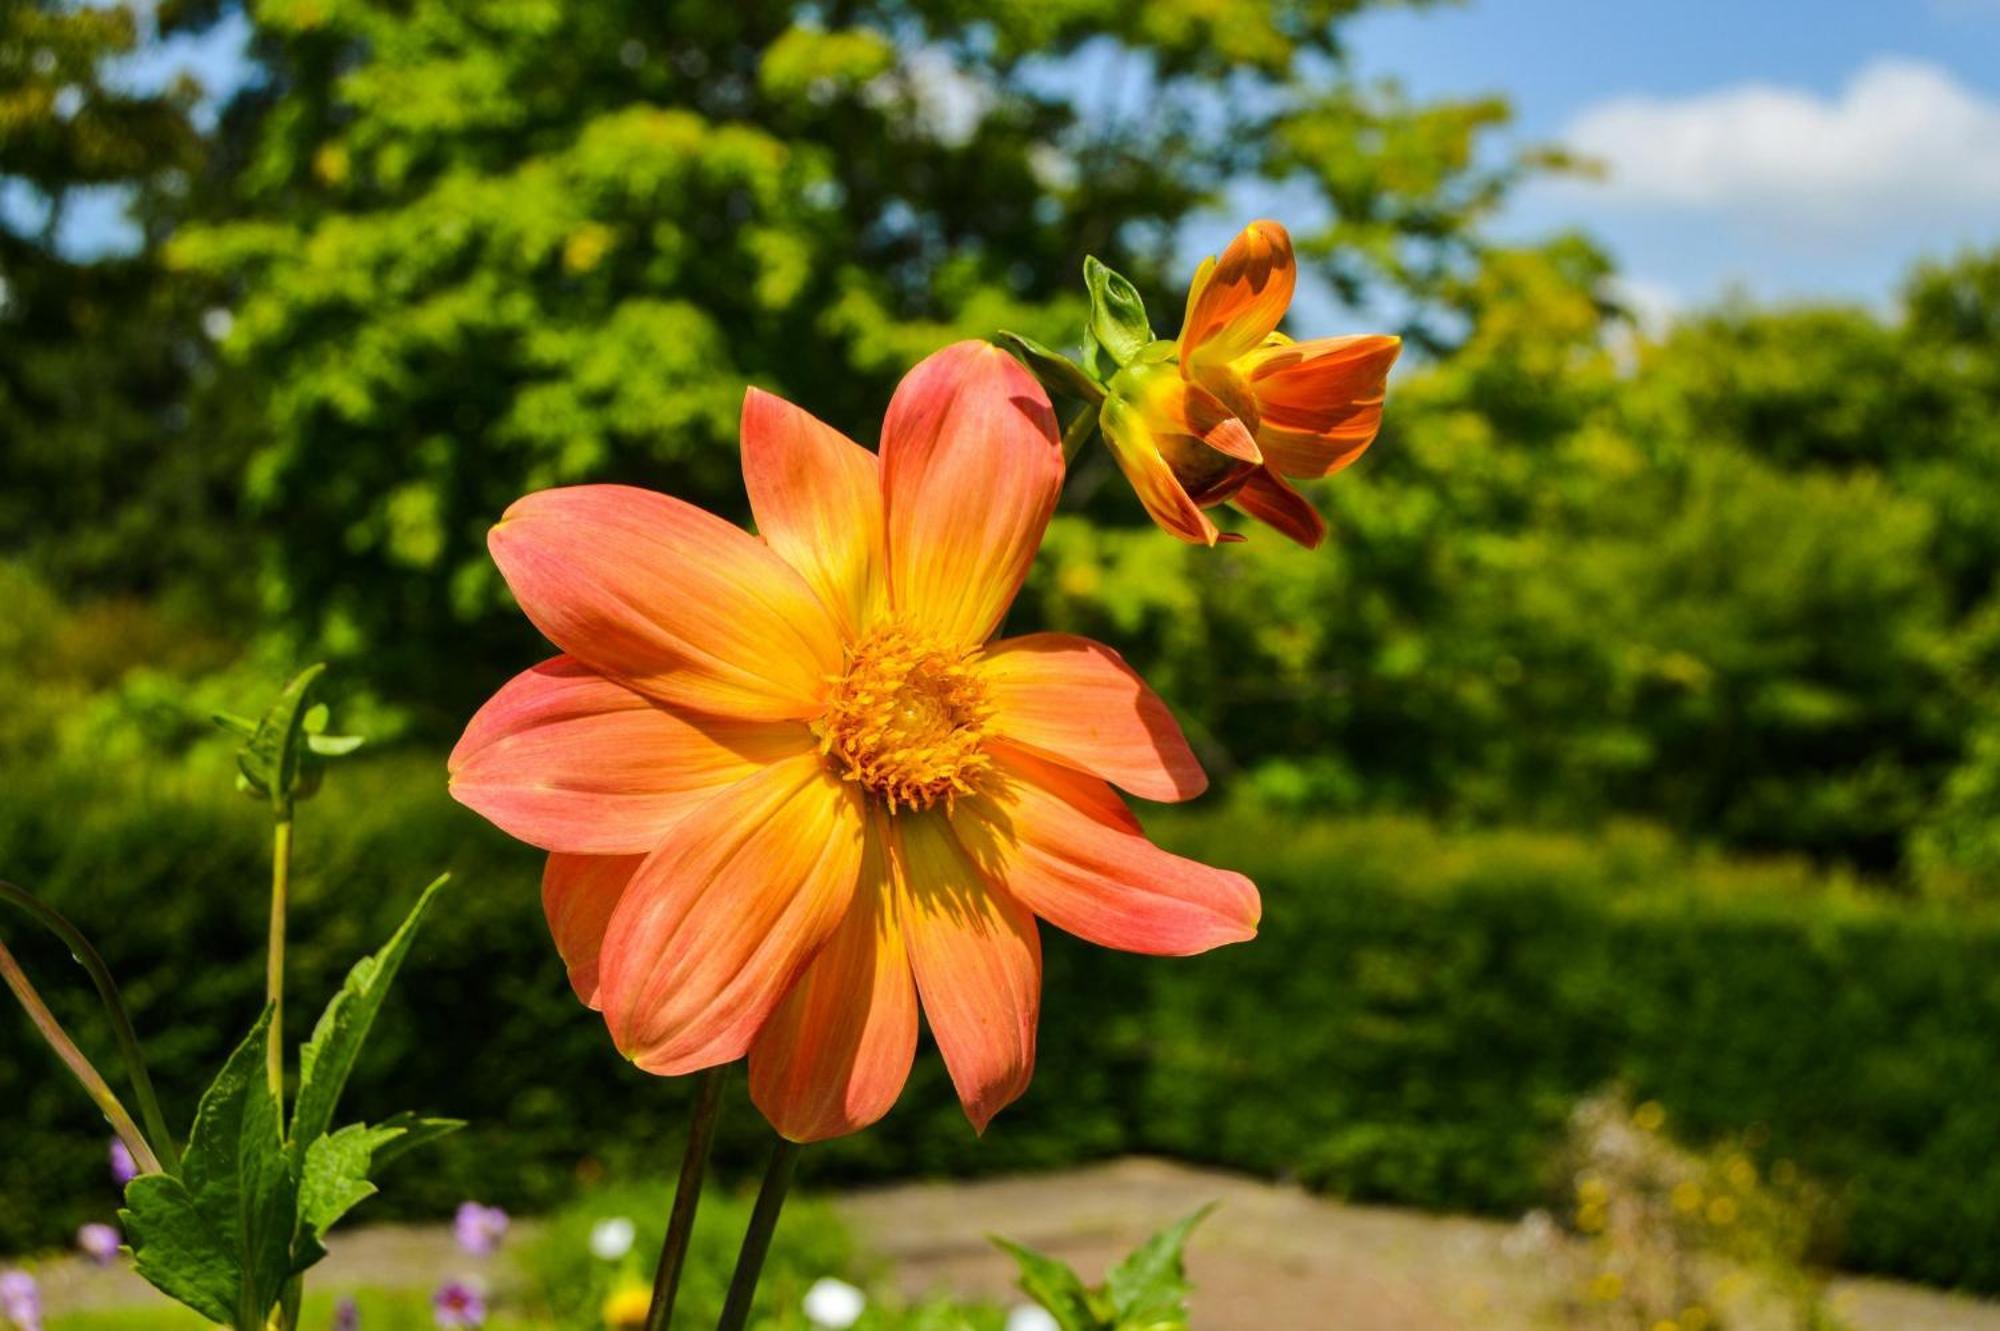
(719, 922)
(1181, 407)
(669, 600)
(817, 498)
(978, 963)
(834, 1057)
(971, 468)
(1138, 456)
(579, 893)
(568, 760)
(1320, 401)
(1044, 834)
(1238, 300)
(1267, 498)
(1077, 702)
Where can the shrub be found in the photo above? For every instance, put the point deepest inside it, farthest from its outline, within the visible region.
(1415, 1024)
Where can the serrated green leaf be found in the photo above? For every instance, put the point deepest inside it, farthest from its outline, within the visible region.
(1058, 374)
(270, 759)
(219, 1239)
(328, 1057)
(1054, 1286)
(177, 1250)
(241, 727)
(338, 1174)
(1118, 320)
(1149, 1289)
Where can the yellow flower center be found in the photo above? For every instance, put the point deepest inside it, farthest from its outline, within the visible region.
(907, 719)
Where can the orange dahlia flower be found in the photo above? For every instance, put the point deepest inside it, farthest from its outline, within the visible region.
(790, 787)
(1234, 407)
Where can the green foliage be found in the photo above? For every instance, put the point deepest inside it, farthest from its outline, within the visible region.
(109, 476)
(218, 1236)
(463, 267)
(252, 1201)
(1422, 1008)
(1145, 1292)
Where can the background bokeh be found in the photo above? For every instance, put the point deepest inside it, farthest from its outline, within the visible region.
(1639, 723)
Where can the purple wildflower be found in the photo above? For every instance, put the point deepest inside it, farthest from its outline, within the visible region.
(123, 1170)
(457, 1304)
(346, 1316)
(20, 1301)
(480, 1228)
(99, 1243)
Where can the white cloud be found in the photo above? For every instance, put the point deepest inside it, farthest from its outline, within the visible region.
(1653, 304)
(1902, 141)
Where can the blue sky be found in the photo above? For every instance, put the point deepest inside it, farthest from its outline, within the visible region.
(1786, 148)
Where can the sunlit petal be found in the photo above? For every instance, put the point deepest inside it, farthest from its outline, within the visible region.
(1043, 833)
(834, 1057)
(568, 760)
(817, 498)
(669, 600)
(978, 963)
(720, 921)
(1077, 702)
(971, 468)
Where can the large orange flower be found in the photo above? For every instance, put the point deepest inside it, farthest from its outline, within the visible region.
(788, 784)
(1235, 407)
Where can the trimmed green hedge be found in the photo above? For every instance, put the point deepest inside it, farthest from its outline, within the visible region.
(1421, 1012)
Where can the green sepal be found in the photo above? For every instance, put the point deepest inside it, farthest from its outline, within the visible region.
(280, 757)
(1149, 1289)
(1118, 322)
(1059, 375)
(1055, 1287)
(218, 1237)
(329, 1056)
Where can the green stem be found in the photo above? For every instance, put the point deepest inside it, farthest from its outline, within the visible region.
(79, 1066)
(757, 1239)
(1079, 431)
(687, 1196)
(114, 1007)
(274, 972)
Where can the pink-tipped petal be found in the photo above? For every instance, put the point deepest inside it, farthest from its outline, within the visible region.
(971, 468)
(568, 760)
(1077, 702)
(1239, 299)
(978, 963)
(669, 600)
(817, 498)
(720, 921)
(1042, 834)
(1267, 498)
(834, 1057)
(579, 893)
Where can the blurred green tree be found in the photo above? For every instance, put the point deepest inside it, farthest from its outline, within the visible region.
(105, 477)
(481, 248)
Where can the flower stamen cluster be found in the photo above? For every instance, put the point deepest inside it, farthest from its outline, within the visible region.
(906, 719)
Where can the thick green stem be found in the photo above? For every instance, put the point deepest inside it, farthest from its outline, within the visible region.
(80, 1067)
(274, 970)
(1079, 431)
(757, 1239)
(114, 1007)
(687, 1196)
